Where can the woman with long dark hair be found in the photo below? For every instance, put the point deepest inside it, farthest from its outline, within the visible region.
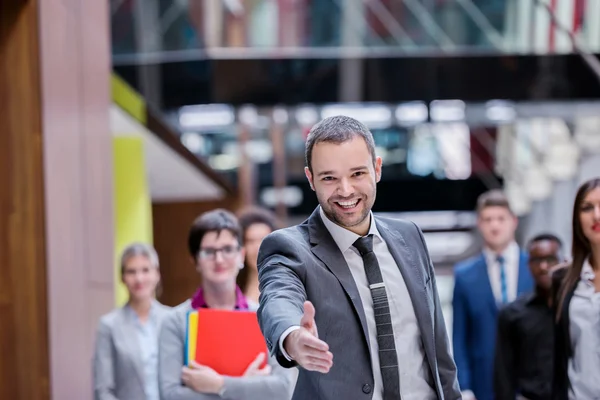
(577, 333)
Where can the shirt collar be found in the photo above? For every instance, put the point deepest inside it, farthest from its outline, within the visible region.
(342, 236)
(509, 253)
(151, 315)
(587, 272)
(198, 300)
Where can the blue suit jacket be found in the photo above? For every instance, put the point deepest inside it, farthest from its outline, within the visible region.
(474, 323)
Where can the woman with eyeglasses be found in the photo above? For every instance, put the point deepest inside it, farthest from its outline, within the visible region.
(126, 355)
(577, 331)
(215, 244)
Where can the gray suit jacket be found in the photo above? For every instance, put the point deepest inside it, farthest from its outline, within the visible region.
(118, 369)
(304, 263)
(277, 386)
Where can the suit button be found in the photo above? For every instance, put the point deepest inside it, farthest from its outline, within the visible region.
(366, 388)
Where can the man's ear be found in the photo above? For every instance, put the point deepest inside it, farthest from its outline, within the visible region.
(309, 177)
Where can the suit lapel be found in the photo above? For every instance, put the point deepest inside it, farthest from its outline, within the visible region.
(525, 281)
(325, 248)
(414, 279)
(128, 333)
(483, 281)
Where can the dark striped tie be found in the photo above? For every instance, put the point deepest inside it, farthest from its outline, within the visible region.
(503, 283)
(388, 360)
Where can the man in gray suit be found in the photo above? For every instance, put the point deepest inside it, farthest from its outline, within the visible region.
(348, 297)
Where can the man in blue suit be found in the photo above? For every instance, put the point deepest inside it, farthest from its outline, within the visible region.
(482, 285)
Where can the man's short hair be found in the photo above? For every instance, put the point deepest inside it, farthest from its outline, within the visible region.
(337, 129)
(542, 237)
(218, 220)
(493, 198)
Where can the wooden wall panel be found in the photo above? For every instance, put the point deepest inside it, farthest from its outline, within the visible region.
(24, 370)
(171, 223)
(77, 143)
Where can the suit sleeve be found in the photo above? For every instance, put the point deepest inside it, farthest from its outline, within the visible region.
(446, 365)
(505, 383)
(460, 329)
(104, 375)
(282, 291)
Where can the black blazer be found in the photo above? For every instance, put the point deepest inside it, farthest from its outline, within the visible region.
(562, 338)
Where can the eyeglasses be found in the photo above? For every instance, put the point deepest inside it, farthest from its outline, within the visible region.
(209, 253)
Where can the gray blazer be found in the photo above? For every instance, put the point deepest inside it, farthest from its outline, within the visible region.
(278, 386)
(304, 263)
(118, 369)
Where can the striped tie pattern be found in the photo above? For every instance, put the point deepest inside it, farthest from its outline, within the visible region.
(388, 359)
(503, 288)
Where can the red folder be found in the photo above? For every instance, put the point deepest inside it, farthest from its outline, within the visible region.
(226, 341)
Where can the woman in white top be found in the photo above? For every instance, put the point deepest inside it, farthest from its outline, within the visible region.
(577, 333)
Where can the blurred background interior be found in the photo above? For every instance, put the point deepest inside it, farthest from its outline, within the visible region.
(153, 111)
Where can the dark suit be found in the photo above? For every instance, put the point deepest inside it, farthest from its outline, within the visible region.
(474, 323)
(304, 263)
(562, 338)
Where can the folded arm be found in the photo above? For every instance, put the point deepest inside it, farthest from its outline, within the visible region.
(278, 385)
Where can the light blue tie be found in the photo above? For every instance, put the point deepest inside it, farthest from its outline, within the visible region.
(503, 289)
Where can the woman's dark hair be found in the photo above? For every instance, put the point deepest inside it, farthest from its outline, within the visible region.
(212, 221)
(248, 217)
(580, 248)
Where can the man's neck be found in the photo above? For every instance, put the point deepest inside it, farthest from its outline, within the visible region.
(220, 296)
(499, 249)
(544, 294)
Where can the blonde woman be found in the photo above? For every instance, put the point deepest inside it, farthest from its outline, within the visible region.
(126, 354)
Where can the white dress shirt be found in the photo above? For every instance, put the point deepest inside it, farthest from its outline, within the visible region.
(416, 382)
(584, 330)
(511, 267)
(147, 336)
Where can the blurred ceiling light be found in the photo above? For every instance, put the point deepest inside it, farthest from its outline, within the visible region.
(587, 133)
(291, 196)
(442, 245)
(374, 116)
(193, 141)
(259, 151)
(206, 116)
(562, 160)
(558, 130)
(307, 116)
(537, 183)
(447, 110)
(383, 153)
(223, 162)
(454, 143)
(248, 115)
(500, 111)
(280, 116)
(411, 113)
(520, 203)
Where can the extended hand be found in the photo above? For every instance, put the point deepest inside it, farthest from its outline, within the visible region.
(304, 345)
(201, 378)
(254, 368)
